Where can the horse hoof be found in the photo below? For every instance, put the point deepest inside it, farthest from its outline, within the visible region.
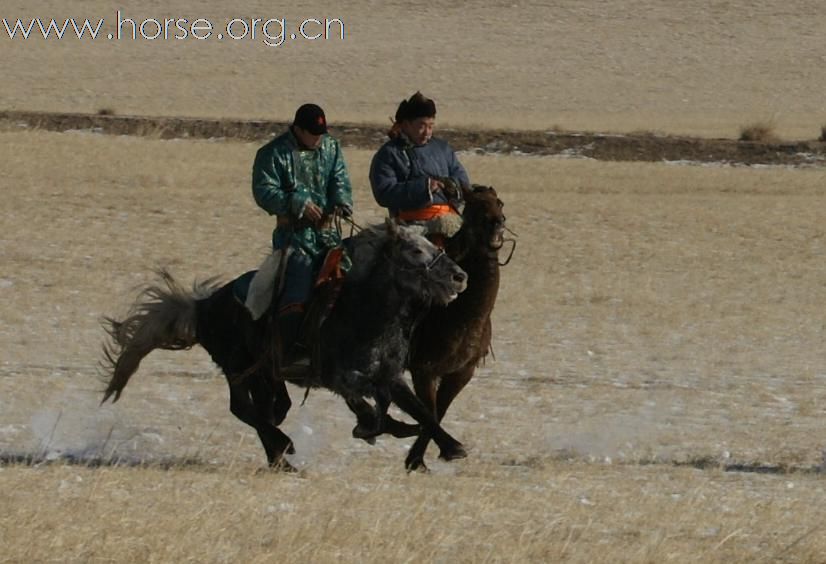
(282, 465)
(416, 466)
(455, 453)
(367, 435)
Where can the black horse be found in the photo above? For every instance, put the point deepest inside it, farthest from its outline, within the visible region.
(363, 343)
(451, 341)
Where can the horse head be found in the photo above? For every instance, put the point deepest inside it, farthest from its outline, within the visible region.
(423, 268)
(483, 227)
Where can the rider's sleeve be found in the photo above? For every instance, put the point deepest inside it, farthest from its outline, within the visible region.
(340, 189)
(271, 192)
(389, 191)
(457, 171)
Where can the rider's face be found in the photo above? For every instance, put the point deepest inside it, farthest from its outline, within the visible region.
(419, 130)
(306, 138)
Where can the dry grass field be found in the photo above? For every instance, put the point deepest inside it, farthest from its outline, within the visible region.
(690, 67)
(658, 391)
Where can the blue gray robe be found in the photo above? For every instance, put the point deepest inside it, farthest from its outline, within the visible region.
(399, 184)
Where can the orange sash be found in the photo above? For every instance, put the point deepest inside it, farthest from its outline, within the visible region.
(424, 214)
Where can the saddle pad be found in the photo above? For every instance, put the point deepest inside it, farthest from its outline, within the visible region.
(262, 286)
(241, 285)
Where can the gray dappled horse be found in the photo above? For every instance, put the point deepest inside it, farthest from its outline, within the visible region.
(363, 343)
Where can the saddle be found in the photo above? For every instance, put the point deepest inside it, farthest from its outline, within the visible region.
(325, 293)
(256, 289)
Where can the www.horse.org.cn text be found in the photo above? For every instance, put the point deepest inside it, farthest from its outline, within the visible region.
(272, 32)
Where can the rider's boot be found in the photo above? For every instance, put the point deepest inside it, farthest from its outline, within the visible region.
(289, 329)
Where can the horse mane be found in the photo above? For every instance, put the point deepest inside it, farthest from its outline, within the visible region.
(365, 247)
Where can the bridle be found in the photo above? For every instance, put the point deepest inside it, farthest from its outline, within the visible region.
(513, 245)
(429, 266)
(479, 189)
(424, 269)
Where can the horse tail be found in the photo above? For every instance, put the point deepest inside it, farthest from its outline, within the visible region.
(164, 316)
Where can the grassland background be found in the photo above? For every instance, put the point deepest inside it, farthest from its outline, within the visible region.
(653, 317)
(696, 67)
(657, 324)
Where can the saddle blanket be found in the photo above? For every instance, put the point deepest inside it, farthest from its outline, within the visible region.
(264, 283)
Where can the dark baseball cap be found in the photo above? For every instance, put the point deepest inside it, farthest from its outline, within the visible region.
(310, 117)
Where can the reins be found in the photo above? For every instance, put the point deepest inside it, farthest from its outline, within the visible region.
(339, 218)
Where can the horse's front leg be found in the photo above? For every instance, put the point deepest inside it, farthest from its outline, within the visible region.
(366, 419)
(451, 449)
(371, 421)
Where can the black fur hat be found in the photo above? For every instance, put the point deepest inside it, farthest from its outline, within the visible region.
(415, 107)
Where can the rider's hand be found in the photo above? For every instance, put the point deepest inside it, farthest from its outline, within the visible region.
(312, 212)
(434, 184)
(451, 188)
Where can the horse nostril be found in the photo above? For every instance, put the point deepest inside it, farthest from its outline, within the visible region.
(460, 277)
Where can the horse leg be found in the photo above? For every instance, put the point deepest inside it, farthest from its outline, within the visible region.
(438, 397)
(366, 416)
(400, 429)
(264, 398)
(407, 401)
(449, 387)
(281, 403)
(275, 442)
(425, 386)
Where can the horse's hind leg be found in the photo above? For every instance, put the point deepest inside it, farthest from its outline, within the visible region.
(275, 442)
(265, 399)
(451, 449)
(281, 402)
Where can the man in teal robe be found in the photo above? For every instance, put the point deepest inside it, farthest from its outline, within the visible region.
(301, 178)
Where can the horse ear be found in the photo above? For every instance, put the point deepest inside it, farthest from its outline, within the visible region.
(466, 191)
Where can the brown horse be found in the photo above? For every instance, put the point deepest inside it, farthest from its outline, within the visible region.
(451, 341)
